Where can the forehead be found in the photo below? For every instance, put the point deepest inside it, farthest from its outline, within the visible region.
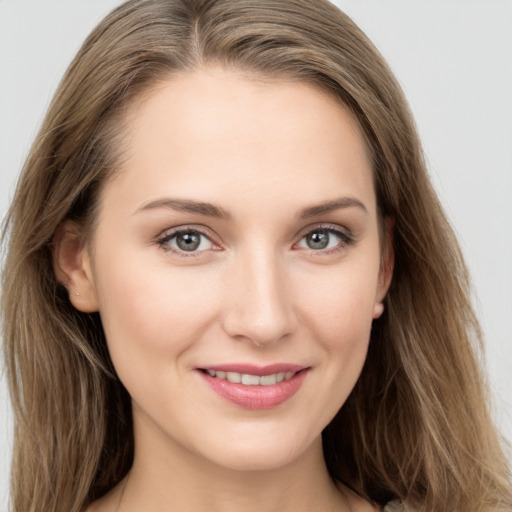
(215, 132)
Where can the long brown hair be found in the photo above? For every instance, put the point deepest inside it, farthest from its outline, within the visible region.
(416, 427)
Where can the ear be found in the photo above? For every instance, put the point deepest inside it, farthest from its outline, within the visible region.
(387, 264)
(72, 267)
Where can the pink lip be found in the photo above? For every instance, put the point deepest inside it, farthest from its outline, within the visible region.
(256, 397)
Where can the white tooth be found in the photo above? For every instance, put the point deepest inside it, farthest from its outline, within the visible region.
(221, 375)
(287, 375)
(250, 380)
(280, 377)
(268, 380)
(233, 377)
(211, 373)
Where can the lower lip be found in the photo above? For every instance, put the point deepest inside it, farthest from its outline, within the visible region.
(256, 397)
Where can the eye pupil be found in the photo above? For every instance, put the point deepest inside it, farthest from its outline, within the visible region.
(318, 239)
(189, 241)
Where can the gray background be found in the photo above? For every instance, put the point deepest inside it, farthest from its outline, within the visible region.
(454, 61)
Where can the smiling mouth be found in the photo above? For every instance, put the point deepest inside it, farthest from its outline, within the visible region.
(248, 379)
(252, 387)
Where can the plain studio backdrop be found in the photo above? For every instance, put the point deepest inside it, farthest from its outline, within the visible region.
(454, 61)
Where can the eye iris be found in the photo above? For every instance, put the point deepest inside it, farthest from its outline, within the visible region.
(188, 241)
(317, 239)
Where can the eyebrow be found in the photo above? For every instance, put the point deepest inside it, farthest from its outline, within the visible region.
(329, 206)
(210, 210)
(186, 205)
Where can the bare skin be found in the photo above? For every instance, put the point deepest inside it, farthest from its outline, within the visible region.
(252, 493)
(283, 266)
(244, 492)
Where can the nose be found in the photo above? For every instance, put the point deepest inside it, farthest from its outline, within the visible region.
(260, 307)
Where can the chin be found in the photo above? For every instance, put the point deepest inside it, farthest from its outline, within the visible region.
(260, 454)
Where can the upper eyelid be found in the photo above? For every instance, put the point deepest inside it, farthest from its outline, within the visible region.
(325, 226)
(170, 232)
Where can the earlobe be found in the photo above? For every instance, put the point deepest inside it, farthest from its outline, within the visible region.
(378, 309)
(72, 267)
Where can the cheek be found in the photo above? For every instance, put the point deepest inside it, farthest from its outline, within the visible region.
(341, 304)
(336, 317)
(151, 312)
(338, 312)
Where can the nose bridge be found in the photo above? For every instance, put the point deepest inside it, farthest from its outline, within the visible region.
(261, 308)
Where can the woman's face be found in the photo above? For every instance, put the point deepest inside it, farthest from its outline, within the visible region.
(238, 242)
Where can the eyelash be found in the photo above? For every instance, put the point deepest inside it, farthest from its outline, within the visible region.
(165, 238)
(346, 239)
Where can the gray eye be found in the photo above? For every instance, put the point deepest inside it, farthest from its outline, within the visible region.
(188, 241)
(317, 239)
(322, 239)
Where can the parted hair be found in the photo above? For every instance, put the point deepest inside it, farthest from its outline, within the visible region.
(417, 425)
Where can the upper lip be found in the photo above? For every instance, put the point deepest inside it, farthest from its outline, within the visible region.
(251, 369)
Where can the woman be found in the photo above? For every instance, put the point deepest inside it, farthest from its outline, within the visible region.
(215, 299)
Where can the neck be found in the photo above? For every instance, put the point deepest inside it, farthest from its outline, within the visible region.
(165, 475)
